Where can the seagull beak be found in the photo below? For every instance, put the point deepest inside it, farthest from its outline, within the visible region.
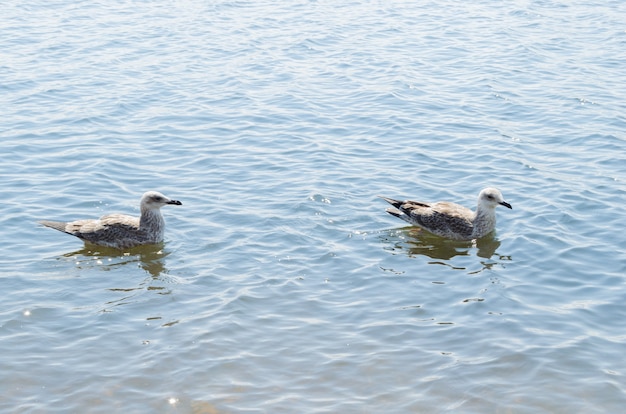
(505, 204)
(178, 203)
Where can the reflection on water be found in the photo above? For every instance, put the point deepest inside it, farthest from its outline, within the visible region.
(150, 258)
(415, 242)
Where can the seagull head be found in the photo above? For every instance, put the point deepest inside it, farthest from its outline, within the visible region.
(491, 198)
(154, 200)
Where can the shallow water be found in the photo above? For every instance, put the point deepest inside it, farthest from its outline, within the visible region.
(282, 285)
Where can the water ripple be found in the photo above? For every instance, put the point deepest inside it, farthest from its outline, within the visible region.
(282, 284)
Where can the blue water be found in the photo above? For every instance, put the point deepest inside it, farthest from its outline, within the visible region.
(282, 285)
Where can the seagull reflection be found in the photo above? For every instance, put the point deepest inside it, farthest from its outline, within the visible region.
(149, 257)
(127, 290)
(415, 242)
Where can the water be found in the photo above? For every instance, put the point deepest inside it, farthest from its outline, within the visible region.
(283, 286)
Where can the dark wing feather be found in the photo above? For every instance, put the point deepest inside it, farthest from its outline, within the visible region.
(108, 229)
(442, 218)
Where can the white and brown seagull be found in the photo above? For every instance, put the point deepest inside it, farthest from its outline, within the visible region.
(451, 220)
(121, 231)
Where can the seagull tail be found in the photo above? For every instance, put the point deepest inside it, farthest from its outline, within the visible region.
(395, 213)
(57, 225)
(395, 203)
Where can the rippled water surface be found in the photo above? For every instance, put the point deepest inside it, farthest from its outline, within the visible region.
(282, 285)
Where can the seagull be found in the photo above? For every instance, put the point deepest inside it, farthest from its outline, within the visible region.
(451, 220)
(119, 230)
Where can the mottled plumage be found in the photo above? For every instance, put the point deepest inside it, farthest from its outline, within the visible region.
(119, 230)
(451, 220)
